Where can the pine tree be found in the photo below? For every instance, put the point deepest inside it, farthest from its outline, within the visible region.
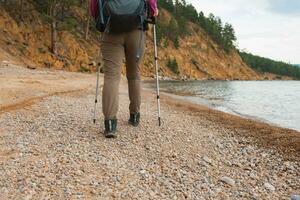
(183, 12)
(228, 37)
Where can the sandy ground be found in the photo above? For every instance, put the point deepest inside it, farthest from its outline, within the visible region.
(20, 86)
(50, 149)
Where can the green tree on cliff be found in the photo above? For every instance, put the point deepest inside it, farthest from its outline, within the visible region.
(183, 13)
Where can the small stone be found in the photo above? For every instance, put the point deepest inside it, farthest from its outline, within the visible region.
(264, 155)
(252, 175)
(269, 187)
(4, 190)
(67, 191)
(207, 159)
(228, 163)
(218, 190)
(295, 197)
(31, 67)
(289, 166)
(143, 173)
(227, 180)
(152, 193)
(93, 191)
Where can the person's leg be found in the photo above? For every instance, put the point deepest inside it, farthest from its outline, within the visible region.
(112, 48)
(134, 50)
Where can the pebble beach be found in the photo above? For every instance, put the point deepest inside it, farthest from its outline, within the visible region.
(50, 149)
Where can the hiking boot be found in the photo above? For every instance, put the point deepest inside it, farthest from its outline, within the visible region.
(110, 128)
(134, 119)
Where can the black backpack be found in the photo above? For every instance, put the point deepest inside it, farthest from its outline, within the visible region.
(121, 16)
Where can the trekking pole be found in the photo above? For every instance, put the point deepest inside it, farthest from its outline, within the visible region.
(156, 70)
(97, 92)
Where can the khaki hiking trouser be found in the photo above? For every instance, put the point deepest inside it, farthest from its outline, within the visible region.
(114, 48)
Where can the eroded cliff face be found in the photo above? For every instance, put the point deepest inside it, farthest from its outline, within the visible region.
(30, 42)
(198, 57)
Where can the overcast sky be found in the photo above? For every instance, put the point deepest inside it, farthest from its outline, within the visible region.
(269, 28)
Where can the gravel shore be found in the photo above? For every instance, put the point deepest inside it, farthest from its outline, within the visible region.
(52, 150)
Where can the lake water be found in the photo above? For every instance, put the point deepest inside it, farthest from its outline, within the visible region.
(276, 102)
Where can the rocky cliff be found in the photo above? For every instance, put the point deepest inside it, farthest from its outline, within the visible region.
(198, 57)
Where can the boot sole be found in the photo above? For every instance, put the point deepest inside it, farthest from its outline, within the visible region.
(133, 124)
(110, 135)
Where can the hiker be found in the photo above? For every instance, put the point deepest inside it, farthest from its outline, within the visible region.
(122, 37)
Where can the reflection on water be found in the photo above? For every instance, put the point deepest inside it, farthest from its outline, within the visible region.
(272, 101)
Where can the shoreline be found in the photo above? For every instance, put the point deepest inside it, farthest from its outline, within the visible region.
(179, 79)
(285, 140)
(231, 112)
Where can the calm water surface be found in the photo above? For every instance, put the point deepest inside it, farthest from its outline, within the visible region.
(276, 102)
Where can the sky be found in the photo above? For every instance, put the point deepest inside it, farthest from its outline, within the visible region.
(269, 28)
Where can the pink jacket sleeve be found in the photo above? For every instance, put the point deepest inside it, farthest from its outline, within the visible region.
(94, 9)
(152, 6)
